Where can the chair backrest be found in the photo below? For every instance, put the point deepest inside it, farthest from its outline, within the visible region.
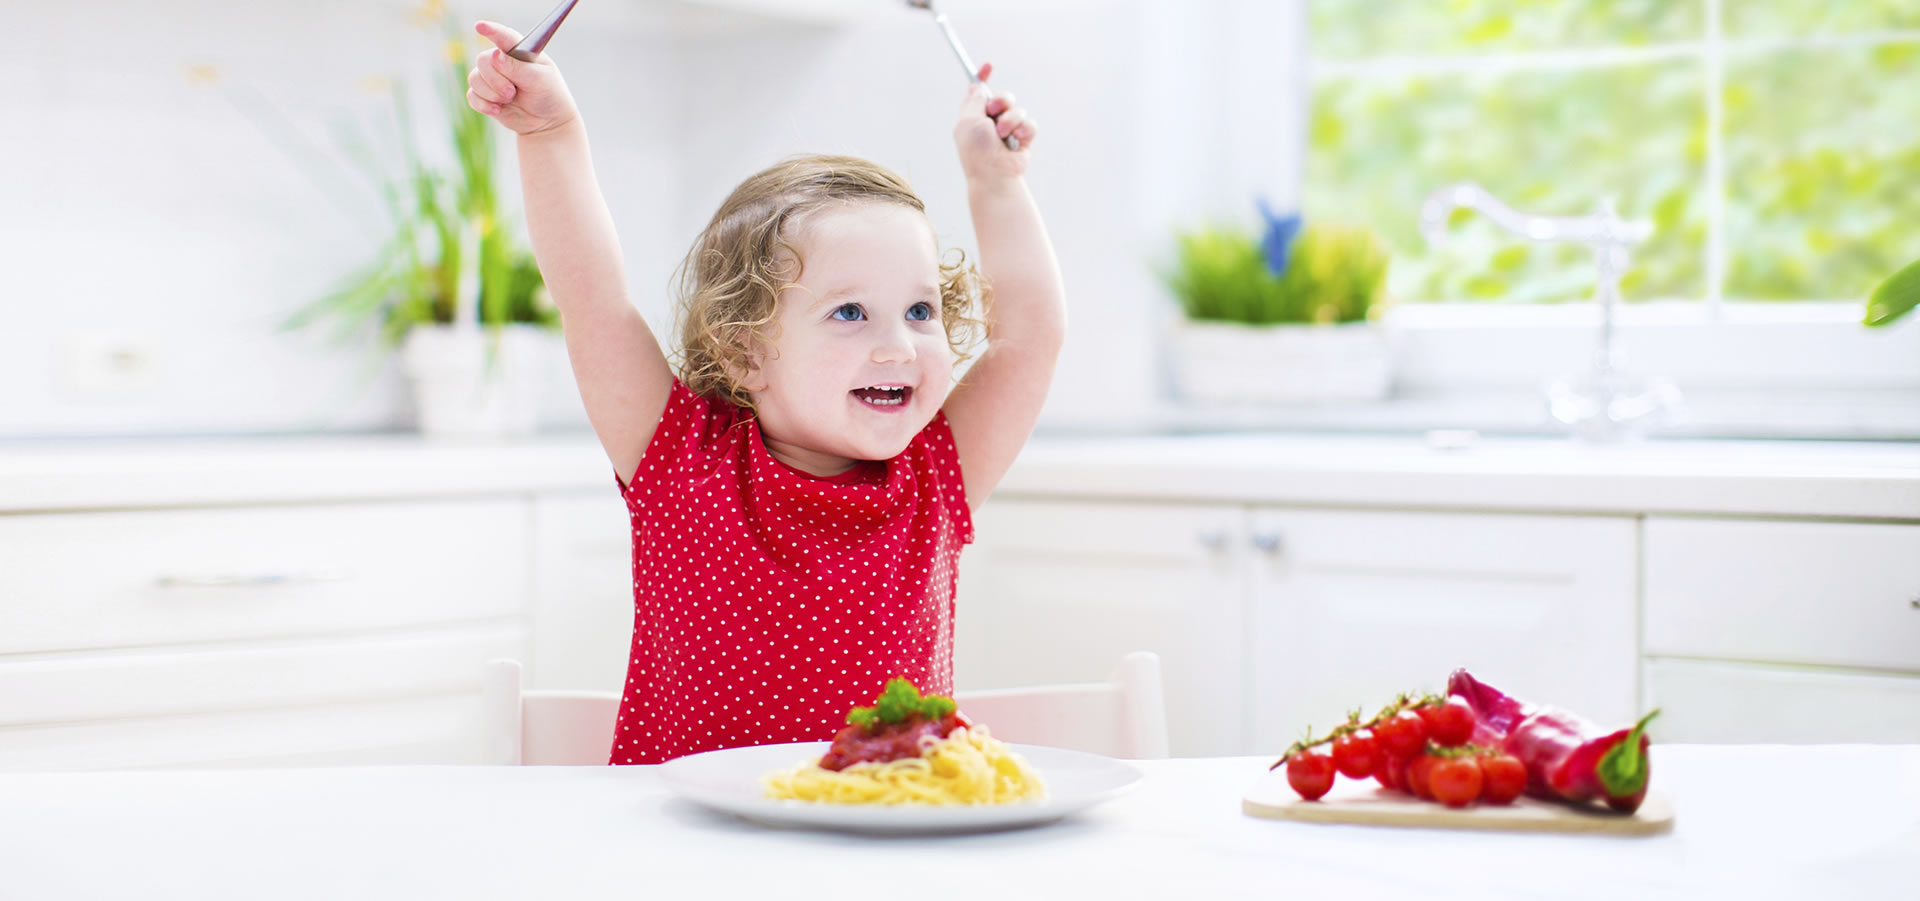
(546, 728)
(1125, 716)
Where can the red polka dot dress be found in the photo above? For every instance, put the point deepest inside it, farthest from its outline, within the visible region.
(767, 602)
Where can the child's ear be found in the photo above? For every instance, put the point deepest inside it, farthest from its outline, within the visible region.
(745, 365)
(751, 378)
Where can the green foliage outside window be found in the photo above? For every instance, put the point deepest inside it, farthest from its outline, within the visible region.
(1551, 143)
(1819, 142)
(1823, 171)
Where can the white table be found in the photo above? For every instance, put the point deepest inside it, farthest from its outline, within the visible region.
(1804, 822)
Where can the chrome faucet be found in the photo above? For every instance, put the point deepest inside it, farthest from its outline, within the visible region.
(1604, 404)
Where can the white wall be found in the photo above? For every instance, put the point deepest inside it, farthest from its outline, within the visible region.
(144, 209)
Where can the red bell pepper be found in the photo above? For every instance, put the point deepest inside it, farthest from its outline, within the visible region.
(1567, 757)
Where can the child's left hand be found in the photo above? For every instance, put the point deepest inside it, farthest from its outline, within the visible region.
(983, 127)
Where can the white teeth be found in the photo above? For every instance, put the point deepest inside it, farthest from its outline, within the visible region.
(882, 396)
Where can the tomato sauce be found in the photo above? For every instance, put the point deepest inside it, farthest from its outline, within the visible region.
(883, 742)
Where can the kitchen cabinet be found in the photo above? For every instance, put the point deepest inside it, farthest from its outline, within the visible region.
(1719, 702)
(1765, 631)
(1060, 591)
(336, 632)
(190, 603)
(1352, 607)
(583, 591)
(1267, 619)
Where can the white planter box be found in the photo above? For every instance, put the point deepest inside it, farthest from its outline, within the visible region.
(1218, 362)
(477, 383)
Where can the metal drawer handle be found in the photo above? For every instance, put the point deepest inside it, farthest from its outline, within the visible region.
(1267, 542)
(248, 580)
(1915, 602)
(1213, 539)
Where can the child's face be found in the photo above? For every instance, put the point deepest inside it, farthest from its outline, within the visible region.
(861, 362)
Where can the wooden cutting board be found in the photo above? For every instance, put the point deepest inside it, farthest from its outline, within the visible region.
(1366, 803)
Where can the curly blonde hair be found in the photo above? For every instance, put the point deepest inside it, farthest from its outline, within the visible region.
(731, 278)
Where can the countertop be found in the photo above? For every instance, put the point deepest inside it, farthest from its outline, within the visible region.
(1750, 822)
(1736, 478)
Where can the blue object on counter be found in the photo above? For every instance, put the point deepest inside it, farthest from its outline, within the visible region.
(1277, 241)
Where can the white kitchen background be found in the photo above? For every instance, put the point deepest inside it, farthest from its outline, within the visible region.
(153, 215)
(221, 541)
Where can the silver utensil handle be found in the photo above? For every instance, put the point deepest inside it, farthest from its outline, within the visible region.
(966, 62)
(536, 40)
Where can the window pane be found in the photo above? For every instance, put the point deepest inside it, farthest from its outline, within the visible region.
(1798, 18)
(1348, 29)
(1823, 170)
(1547, 142)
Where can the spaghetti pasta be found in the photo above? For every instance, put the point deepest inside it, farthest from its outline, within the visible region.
(969, 766)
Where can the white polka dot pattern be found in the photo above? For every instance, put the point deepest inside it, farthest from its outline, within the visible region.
(767, 602)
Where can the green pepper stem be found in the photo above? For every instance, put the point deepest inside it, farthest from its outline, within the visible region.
(1623, 768)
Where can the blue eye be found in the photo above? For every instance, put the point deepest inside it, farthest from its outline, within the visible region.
(849, 312)
(920, 312)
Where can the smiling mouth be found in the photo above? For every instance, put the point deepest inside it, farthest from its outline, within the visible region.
(884, 396)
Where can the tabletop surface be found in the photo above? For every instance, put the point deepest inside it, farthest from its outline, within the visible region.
(1840, 821)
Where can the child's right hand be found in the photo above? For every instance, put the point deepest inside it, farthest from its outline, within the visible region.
(527, 97)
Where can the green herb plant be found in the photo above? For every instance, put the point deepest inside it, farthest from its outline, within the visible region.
(898, 701)
(1334, 274)
(446, 232)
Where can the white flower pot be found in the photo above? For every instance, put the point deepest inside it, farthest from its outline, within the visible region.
(476, 384)
(1229, 363)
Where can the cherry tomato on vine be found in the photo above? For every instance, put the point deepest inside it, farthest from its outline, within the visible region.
(1387, 771)
(1353, 755)
(1456, 781)
(1420, 776)
(1310, 773)
(1504, 777)
(1402, 735)
(1449, 725)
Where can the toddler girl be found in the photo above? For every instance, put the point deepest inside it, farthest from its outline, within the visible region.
(797, 493)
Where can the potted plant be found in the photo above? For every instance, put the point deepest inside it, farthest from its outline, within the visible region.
(450, 286)
(1290, 318)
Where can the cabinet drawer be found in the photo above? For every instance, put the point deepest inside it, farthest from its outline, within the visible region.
(93, 580)
(1709, 701)
(439, 729)
(163, 681)
(1839, 594)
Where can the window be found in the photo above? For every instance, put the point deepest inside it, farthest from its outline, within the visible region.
(1770, 142)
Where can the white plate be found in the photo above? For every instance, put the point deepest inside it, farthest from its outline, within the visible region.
(729, 780)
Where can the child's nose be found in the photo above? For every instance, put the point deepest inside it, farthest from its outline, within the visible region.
(895, 345)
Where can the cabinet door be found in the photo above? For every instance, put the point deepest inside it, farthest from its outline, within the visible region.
(1055, 592)
(1711, 701)
(583, 592)
(1351, 608)
(1823, 593)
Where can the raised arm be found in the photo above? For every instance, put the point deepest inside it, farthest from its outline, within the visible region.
(622, 374)
(993, 410)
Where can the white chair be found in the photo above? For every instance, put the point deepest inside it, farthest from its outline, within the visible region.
(545, 728)
(1125, 716)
